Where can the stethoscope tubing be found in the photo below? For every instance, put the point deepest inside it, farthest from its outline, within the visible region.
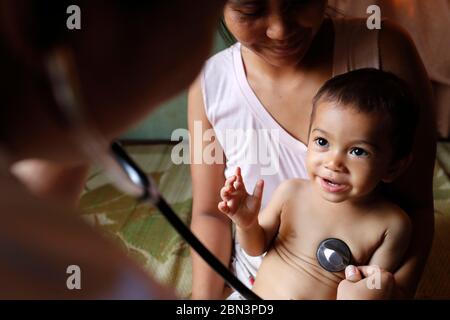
(211, 259)
(151, 195)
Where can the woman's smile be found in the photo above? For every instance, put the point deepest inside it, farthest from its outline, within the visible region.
(292, 47)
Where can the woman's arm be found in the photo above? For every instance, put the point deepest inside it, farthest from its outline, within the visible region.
(212, 227)
(413, 190)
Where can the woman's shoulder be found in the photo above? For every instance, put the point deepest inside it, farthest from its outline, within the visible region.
(396, 46)
(391, 45)
(349, 20)
(222, 59)
(349, 25)
(393, 31)
(389, 31)
(218, 77)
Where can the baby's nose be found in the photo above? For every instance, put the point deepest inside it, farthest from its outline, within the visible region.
(335, 163)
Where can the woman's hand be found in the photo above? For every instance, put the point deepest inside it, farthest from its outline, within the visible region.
(366, 283)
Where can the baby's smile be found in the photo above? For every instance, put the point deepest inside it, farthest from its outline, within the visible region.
(333, 186)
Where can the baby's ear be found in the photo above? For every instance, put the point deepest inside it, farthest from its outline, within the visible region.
(396, 168)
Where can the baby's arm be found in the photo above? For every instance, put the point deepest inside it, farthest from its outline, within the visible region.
(390, 253)
(257, 239)
(253, 232)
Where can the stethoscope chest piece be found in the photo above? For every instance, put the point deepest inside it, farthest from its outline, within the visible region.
(333, 255)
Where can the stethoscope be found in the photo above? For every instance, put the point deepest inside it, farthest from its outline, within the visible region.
(332, 254)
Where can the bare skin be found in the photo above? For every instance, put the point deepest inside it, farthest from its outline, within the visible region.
(304, 220)
(52, 181)
(295, 85)
(339, 201)
(124, 76)
(114, 37)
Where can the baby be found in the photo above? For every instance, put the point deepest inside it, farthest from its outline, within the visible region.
(361, 134)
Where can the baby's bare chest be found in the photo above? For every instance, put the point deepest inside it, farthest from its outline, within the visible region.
(302, 230)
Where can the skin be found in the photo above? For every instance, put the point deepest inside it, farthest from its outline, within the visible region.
(286, 90)
(60, 165)
(52, 181)
(351, 150)
(152, 75)
(302, 213)
(123, 76)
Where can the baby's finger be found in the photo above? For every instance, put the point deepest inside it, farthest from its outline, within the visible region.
(232, 205)
(222, 206)
(226, 193)
(258, 191)
(239, 175)
(238, 185)
(229, 182)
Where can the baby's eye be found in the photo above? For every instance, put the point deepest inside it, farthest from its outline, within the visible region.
(359, 152)
(321, 142)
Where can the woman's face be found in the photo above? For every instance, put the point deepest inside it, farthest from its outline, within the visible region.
(279, 31)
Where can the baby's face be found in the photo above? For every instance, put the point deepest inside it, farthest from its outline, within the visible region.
(348, 152)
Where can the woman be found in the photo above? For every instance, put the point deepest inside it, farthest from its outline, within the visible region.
(286, 50)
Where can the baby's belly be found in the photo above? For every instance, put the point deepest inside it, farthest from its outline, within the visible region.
(286, 276)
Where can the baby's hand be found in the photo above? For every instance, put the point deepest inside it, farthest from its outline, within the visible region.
(241, 207)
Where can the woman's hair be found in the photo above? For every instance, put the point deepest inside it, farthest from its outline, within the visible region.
(373, 91)
(225, 34)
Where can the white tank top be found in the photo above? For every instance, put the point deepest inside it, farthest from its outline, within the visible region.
(249, 136)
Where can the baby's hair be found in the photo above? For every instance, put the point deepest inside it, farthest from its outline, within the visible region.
(374, 91)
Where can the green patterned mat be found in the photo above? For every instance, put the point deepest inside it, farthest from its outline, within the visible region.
(139, 228)
(145, 235)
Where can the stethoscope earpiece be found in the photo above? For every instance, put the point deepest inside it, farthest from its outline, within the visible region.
(333, 255)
